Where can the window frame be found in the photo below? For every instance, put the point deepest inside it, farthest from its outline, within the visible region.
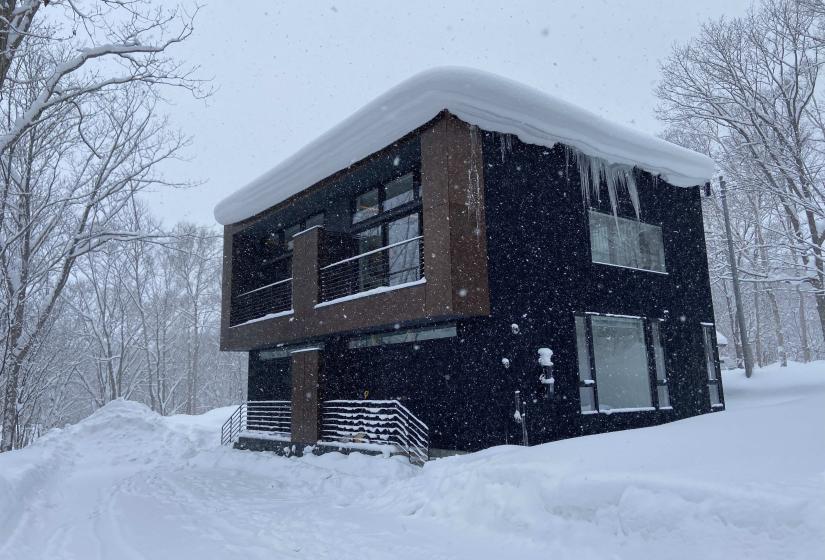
(383, 339)
(393, 213)
(593, 382)
(384, 218)
(717, 381)
(659, 225)
(651, 349)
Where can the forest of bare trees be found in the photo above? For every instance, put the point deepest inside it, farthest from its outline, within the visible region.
(98, 302)
(745, 92)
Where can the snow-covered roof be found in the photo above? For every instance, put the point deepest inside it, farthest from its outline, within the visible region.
(491, 102)
(721, 340)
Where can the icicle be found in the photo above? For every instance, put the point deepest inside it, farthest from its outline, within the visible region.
(474, 178)
(593, 170)
(505, 143)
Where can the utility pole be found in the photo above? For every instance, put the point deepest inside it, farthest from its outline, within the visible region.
(734, 272)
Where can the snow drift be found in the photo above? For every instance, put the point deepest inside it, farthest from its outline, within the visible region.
(491, 102)
(125, 483)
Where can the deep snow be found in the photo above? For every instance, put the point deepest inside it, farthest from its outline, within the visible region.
(125, 483)
(480, 98)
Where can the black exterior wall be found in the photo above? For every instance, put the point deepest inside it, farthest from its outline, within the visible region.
(540, 276)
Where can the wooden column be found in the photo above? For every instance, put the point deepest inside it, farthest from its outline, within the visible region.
(305, 271)
(306, 406)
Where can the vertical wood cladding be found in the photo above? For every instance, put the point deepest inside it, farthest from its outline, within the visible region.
(306, 407)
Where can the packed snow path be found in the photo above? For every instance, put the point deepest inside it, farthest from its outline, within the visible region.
(128, 484)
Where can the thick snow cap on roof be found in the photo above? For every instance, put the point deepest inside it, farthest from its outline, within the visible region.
(491, 102)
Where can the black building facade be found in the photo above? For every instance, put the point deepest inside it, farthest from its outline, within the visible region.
(434, 271)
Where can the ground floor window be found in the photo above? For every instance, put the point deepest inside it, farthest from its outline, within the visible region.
(402, 336)
(711, 364)
(622, 365)
(662, 390)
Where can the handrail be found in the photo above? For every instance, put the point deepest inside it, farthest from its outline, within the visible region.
(373, 251)
(378, 423)
(387, 424)
(260, 302)
(265, 287)
(259, 416)
(373, 269)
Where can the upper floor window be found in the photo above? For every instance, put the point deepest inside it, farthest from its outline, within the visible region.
(628, 243)
(394, 194)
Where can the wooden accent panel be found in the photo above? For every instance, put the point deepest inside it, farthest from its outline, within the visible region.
(305, 271)
(468, 233)
(226, 283)
(306, 407)
(435, 206)
(455, 256)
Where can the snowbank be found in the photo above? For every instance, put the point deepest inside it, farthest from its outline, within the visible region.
(125, 483)
(491, 102)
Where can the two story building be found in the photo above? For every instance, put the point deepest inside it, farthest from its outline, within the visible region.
(467, 262)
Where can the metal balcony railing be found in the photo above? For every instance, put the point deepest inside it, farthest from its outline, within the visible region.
(376, 425)
(271, 418)
(392, 265)
(263, 301)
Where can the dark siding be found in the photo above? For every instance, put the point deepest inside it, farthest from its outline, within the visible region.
(540, 274)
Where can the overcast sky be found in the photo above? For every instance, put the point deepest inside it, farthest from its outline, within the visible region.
(285, 72)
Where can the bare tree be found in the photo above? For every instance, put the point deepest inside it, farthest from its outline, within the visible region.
(82, 137)
(745, 92)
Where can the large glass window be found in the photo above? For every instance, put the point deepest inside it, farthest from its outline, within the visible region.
(711, 364)
(399, 192)
(622, 365)
(404, 260)
(385, 218)
(396, 193)
(371, 266)
(366, 206)
(623, 242)
(620, 357)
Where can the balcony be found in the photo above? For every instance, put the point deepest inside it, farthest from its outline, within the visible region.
(265, 302)
(396, 265)
(332, 292)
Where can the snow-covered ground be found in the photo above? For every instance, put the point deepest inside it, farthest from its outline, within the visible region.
(128, 484)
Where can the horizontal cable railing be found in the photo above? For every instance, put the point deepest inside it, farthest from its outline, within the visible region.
(379, 423)
(394, 264)
(257, 303)
(272, 417)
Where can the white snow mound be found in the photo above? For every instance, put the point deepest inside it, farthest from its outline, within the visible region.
(126, 483)
(489, 101)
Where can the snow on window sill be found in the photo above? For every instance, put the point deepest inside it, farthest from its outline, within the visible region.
(621, 410)
(662, 273)
(265, 318)
(372, 292)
